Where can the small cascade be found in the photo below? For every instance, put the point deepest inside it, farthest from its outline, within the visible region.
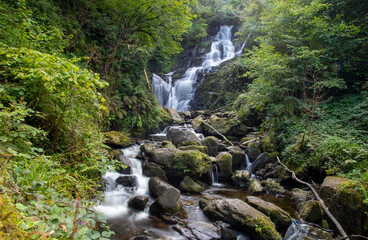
(298, 230)
(181, 93)
(115, 203)
(214, 174)
(249, 164)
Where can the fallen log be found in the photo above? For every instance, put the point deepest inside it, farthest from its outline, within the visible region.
(319, 199)
(227, 140)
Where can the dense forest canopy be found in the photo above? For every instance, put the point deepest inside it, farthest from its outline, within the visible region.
(71, 70)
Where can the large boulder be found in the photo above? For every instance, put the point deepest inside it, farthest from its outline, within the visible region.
(224, 165)
(178, 164)
(151, 169)
(311, 211)
(240, 215)
(127, 181)
(147, 150)
(167, 203)
(278, 216)
(202, 149)
(188, 185)
(227, 125)
(238, 158)
(212, 144)
(197, 123)
(157, 186)
(138, 202)
(255, 187)
(117, 140)
(260, 162)
(241, 178)
(346, 204)
(175, 115)
(182, 137)
(253, 153)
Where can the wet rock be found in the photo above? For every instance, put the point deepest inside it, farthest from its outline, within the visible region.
(227, 234)
(253, 153)
(156, 186)
(222, 147)
(204, 231)
(202, 149)
(241, 178)
(167, 203)
(224, 165)
(274, 172)
(272, 186)
(182, 137)
(241, 215)
(311, 211)
(127, 163)
(260, 162)
(188, 185)
(197, 123)
(278, 216)
(300, 195)
(127, 181)
(301, 231)
(138, 202)
(187, 114)
(227, 125)
(255, 187)
(238, 158)
(261, 172)
(197, 113)
(117, 140)
(175, 115)
(346, 204)
(151, 169)
(212, 145)
(147, 150)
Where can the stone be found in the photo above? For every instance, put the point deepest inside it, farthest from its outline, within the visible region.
(255, 187)
(167, 144)
(167, 203)
(138, 202)
(197, 123)
(227, 125)
(311, 211)
(272, 186)
(187, 114)
(202, 149)
(260, 162)
(242, 216)
(253, 153)
(151, 169)
(300, 195)
(156, 186)
(238, 158)
(212, 145)
(117, 140)
(204, 231)
(227, 234)
(182, 137)
(224, 165)
(222, 147)
(301, 231)
(175, 115)
(241, 178)
(147, 149)
(188, 185)
(346, 204)
(274, 172)
(127, 163)
(197, 113)
(127, 181)
(278, 216)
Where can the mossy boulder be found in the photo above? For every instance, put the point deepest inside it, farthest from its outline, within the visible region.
(147, 150)
(151, 169)
(177, 163)
(188, 185)
(241, 178)
(224, 162)
(157, 186)
(167, 144)
(238, 157)
(278, 216)
(197, 123)
(260, 162)
(229, 126)
(344, 199)
(255, 187)
(117, 140)
(182, 137)
(272, 186)
(200, 148)
(242, 216)
(212, 144)
(175, 115)
(167, 203)
(311, 211)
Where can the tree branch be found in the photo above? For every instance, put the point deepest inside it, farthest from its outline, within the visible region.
(319, 199)
(218, 133)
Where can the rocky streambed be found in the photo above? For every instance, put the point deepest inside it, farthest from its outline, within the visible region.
(182, 185)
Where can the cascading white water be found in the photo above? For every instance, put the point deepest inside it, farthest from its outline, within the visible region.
(180, 94)
(116, 196)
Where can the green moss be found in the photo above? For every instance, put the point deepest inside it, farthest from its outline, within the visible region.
(118, 138)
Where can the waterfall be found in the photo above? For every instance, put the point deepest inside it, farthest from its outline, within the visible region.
(214, 174)
(181, 93)
(249, 164)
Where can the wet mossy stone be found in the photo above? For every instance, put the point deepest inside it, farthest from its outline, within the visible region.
(202, 149)
(117, 140)
(242, 216)
(167, 203)
(167, 144)
(311, 211)
(238, 157)
(224, 162)
(272, 186)
(197, 123)
(147, 149)
(260, 162)
(188, 185)
(255, 187)
(241, 178)
(182, 137)
(151, 169)
(175, 115)
(278, 216)
(156, 186)
(127, 180)
(212, 144)
(138, 202)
